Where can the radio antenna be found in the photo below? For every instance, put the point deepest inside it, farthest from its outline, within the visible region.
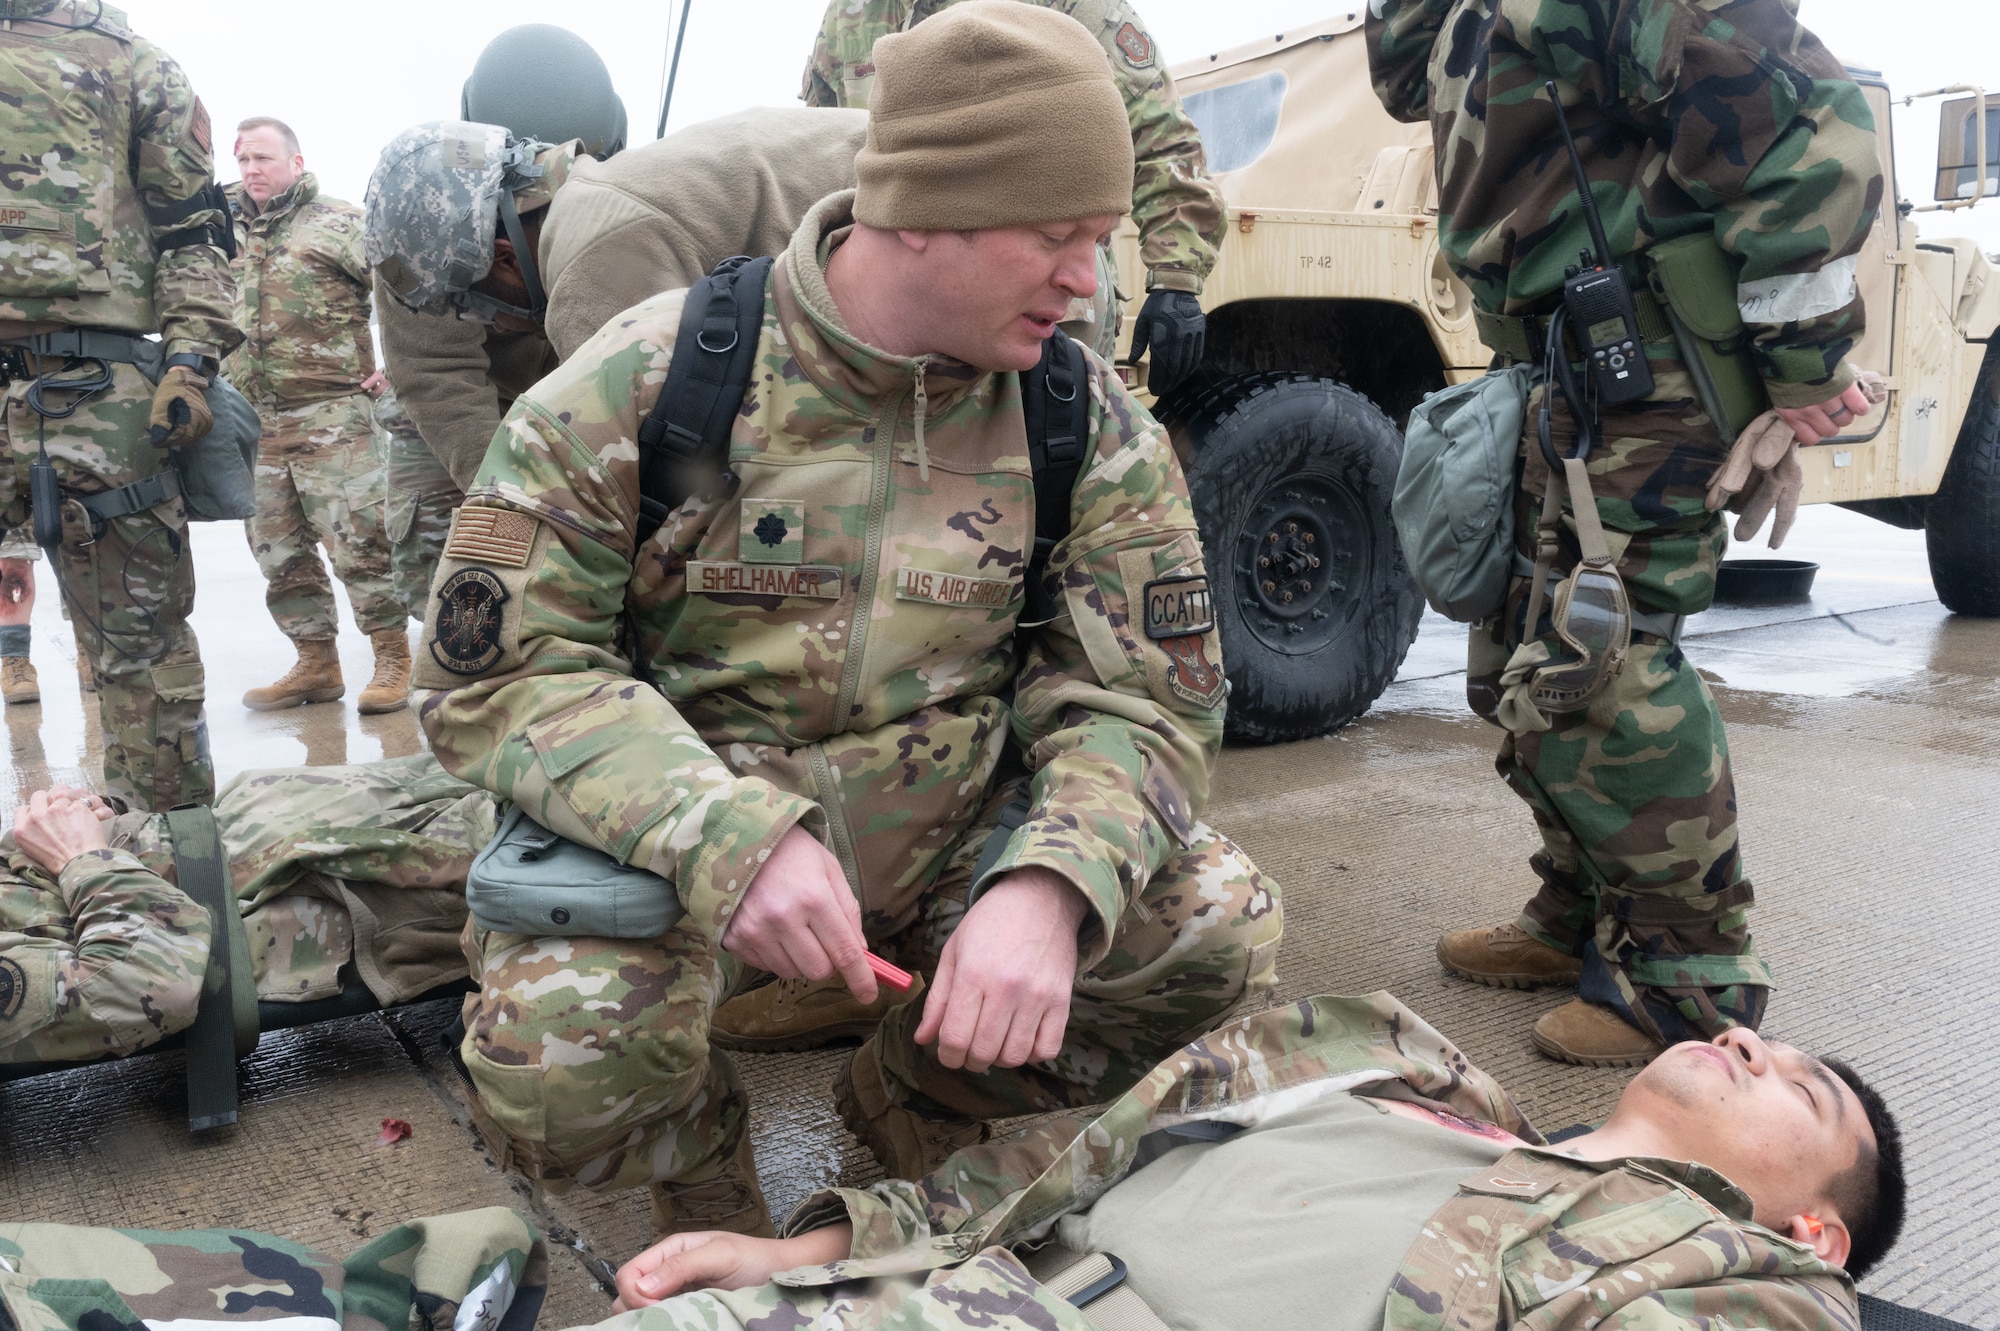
(1596, 223)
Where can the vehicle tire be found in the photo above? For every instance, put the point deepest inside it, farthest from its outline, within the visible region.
(1291, 478)
(1962, 526)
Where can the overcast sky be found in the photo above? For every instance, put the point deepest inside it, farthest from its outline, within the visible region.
(350, 75)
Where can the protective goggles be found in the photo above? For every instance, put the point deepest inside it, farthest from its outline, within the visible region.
(1593, 619)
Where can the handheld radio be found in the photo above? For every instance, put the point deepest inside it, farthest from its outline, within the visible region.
(1599, 300)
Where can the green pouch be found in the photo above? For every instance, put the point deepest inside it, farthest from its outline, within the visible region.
(1454, 500)
(217, 472)
(528, 880)
(1695, 280)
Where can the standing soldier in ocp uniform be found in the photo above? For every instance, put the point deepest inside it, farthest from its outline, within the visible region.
(307, 363)
(1177, 208)
(111, 228)
(1694, 118)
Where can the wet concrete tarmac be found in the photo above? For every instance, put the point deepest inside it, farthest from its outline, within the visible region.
(1861, 727)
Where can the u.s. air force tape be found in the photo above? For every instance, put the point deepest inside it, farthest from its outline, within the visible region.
(1178, 606)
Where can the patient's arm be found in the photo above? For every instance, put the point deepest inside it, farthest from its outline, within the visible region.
(98, 954)
(713, 1260)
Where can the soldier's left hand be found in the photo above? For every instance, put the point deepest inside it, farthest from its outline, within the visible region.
(1002, 990)
(1824, 420)
(374, 384)
(713, 1259)
(180, 408)
(55, 826)
(1172, 325)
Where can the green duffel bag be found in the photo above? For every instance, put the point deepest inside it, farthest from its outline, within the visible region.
(1454, 501)
(529, 880)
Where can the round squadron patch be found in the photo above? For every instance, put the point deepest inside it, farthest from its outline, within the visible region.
(1135, 46)
(13, 988)
(469, 616)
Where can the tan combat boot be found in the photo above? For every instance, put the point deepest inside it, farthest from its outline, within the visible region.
(1595, 1036)
(909, 1145)
(314, 678)
(788, 1015)
(86, 675)
(1506, 957)
(390, 688)
(726, 1197)
(18, 683)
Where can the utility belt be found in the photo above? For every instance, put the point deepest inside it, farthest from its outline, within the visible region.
(1688, 305)
(213, 476)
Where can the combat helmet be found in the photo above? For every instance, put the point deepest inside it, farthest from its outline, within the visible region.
(439, 193)
(544, 82)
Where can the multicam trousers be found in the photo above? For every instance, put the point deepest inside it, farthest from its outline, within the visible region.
(422, 497)
(1641, 873)
(591, 1062)
(128, 582)
(320, 481)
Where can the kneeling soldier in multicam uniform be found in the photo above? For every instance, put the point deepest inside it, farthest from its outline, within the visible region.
(850, 694)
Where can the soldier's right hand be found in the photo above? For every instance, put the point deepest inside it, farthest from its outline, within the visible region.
(180, 408)
(55, 826)
(798, 918)
(1829, 418)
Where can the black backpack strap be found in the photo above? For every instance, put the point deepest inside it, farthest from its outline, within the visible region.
(1055, 399)
(684, 440)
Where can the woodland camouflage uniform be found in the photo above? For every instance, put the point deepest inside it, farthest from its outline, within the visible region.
(103, 146)
(486, 1270)
(302, 291)
(1692, 116)
(835, 643)
(1179, 211)
(1553, 1242)
(422, 495)
(358, 869)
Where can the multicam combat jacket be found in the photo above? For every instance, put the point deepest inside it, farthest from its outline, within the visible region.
(332, 866)
(837, 641)
(1691, 115)
(302, 290)
(102, 143)
(1177, 208)
(1541, 1240)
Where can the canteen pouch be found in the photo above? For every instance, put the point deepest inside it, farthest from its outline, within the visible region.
(217, 471)
(1454, 501)
(1695, 281)
(528, 880)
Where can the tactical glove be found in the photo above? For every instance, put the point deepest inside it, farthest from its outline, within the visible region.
(1760, 477)
(180, 408)
(1172, 324)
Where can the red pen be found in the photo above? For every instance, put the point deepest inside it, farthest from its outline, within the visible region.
(894, 976)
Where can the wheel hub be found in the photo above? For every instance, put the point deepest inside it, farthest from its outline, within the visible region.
(1297, 555)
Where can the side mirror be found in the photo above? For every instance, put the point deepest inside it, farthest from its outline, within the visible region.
(1968, 129)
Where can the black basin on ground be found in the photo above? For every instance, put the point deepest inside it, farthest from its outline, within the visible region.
(1740, 581)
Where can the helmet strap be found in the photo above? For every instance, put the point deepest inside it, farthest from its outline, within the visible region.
(524, 255)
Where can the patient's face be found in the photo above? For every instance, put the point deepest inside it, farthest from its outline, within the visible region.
(1770, 1117)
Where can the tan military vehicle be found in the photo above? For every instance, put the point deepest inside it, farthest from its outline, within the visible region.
(1332, 313)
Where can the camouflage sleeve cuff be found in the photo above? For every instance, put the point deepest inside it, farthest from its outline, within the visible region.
(887, 1217)
(181, 346)
(1811, 395)
(1173, 279)
(94, 869)
(1053, 846)
(732, 837)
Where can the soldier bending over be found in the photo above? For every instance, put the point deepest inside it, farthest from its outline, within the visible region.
(851, 692)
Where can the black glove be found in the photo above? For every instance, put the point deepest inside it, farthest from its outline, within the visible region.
(1172, 324)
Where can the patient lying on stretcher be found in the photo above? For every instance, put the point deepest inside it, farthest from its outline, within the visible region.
(338, 871)
(1740, 1183)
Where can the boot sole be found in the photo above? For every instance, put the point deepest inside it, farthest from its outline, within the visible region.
(377, 708)
(1561, 1055)
(297, 700)
(17, 699)
(1512, 979)
(818, 1038)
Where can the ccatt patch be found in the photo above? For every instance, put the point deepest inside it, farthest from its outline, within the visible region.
(1179, 614)
(469, 615)
(13, 988)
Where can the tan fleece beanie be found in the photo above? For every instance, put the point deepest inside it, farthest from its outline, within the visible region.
(994, 113)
